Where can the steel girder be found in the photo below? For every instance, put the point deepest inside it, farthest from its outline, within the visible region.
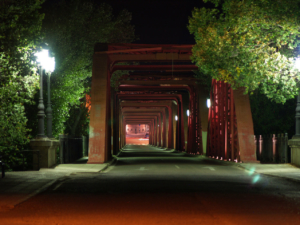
(222, 140)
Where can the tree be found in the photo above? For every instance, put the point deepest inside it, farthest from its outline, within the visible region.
(72, 28)
(249, 43)
(19, 37)
(272, 118)
(77, 123)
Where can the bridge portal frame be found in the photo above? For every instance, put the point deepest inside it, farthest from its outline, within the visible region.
(102, 122)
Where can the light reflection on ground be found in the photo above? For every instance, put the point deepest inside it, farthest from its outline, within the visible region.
(136, 139)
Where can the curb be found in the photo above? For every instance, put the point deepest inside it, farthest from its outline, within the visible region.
(114, 160)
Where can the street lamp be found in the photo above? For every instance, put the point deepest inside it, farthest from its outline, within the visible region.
(47, 63)
(294, 143)
(297, 116)
(208, 104)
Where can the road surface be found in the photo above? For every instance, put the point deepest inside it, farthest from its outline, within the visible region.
(148, 185)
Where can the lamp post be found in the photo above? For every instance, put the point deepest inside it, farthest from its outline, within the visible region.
(50, 69)
(48, 64)
(41, 107)
(45, 146)
(294, 143)
(297, 116)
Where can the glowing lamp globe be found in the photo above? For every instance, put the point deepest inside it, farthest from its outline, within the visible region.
(297, 63)
(208, 103)
(47, 63)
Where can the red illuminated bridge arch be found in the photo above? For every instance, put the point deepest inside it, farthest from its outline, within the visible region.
(158, 89)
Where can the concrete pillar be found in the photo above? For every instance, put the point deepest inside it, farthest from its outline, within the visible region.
(47, 152)
(244, 126)
(100, 108)
(294, 144)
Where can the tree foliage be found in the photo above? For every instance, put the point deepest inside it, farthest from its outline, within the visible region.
(72, 28)
(249, 43)
(19, 37)
(272, 118)
(78, 121)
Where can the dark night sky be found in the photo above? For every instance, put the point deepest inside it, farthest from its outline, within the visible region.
(159, 21)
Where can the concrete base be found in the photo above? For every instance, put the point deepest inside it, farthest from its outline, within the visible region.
(294, 144)
(47, 148)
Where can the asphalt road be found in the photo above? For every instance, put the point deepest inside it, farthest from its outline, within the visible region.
(148, 185)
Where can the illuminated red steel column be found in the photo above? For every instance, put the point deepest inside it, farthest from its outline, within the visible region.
(159, 130)
(175, 126)
(150, 138)
(191, 124)
(170, 128)
(181, 125)
(114, 120)
(122, 131)
(198, 120)
(155, 132)
(152, 132)
(123, 136)
(222, 99)
(164, 129)
(230, 135)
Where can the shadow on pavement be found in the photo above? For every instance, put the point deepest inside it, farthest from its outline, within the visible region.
(136, 154)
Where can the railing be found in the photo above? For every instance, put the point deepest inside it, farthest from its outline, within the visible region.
(272, 148)
(72, 149)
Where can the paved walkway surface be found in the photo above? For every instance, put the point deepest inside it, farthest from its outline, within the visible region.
(17, 187)
(286, 171)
